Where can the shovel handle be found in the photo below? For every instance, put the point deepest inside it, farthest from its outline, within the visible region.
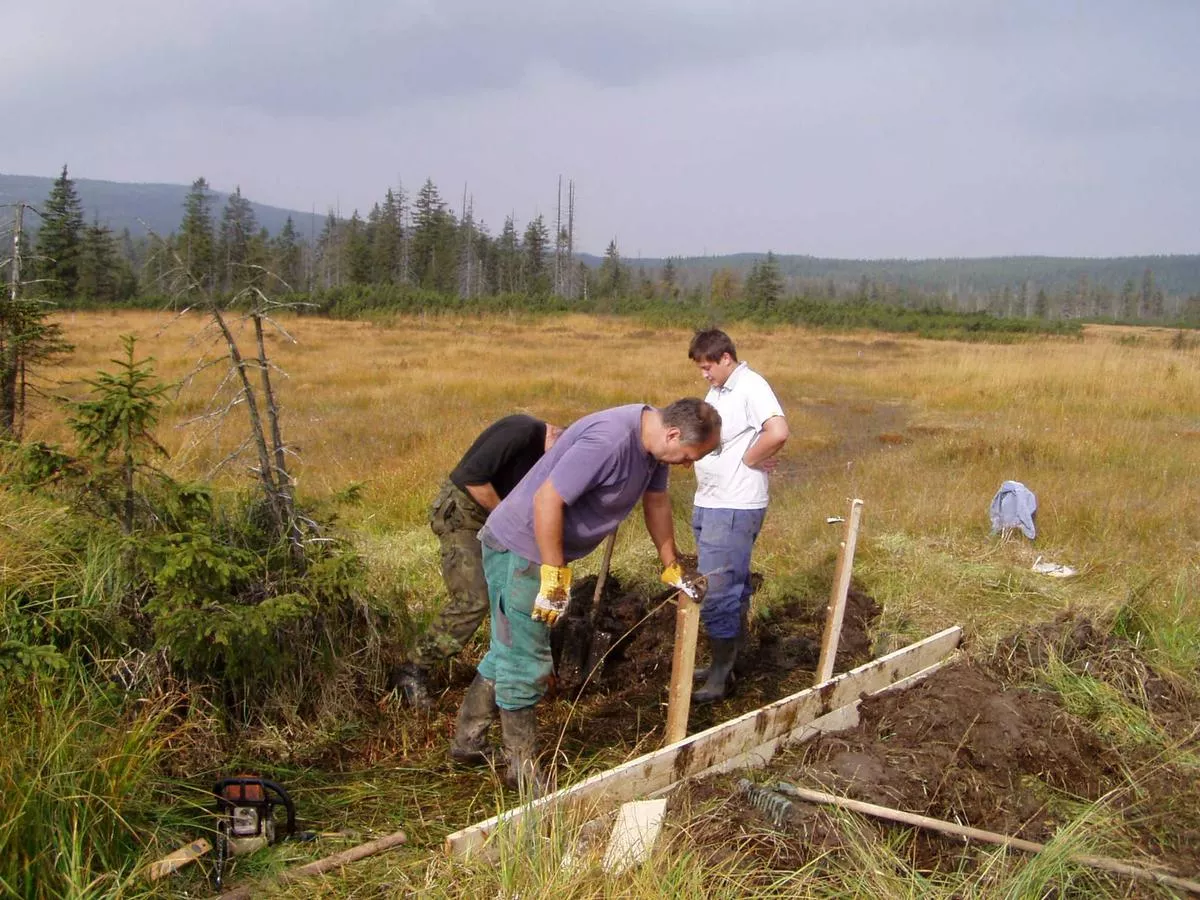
(605, 562)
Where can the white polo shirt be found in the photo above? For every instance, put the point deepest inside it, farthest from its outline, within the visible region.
(723, 481)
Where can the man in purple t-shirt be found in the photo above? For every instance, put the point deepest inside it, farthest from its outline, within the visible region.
(572, 498)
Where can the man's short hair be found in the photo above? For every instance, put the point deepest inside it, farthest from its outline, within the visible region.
(698, 422)
(710, 346)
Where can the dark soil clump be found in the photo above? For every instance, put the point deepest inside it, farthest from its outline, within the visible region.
(981, 744)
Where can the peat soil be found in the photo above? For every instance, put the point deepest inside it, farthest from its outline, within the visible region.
(624, 702)
(981, 743)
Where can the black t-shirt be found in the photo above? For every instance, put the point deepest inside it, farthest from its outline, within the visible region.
(502, 454)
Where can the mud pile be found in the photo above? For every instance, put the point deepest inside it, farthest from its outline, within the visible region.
(982, 743)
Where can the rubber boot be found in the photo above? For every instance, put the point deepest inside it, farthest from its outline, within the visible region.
(413, 682)
(475, 717)
(741, 664)
(741, 659)
(716, 685)
(519, 727)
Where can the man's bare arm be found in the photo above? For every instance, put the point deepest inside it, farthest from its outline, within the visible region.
(548, 523)
(762, 452)
(485, 495)
(656, 507)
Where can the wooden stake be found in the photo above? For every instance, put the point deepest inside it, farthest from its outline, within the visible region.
(837, 598)
(978, 834)
(177, 859)
(683, 667)
(336, 861)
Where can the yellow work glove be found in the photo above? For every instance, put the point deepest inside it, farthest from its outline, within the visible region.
(675, 577)
(553, 594)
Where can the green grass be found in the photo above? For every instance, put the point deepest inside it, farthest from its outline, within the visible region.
(80, 770)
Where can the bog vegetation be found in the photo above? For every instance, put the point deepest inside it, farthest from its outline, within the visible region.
(162, 625)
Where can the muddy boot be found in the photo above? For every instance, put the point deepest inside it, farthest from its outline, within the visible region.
(475, 717)
(720, 672)
(741, 664)
(741, 659)
(519, 728)
(412, 681)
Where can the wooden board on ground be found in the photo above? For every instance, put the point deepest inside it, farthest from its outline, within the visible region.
(759, 732)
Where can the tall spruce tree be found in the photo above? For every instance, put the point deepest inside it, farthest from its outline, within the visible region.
(613, 278)
(287, 257)
(99, 266)
(59, 241)
(195, 240)
(235, 246)
(508, 264)
(535, 247)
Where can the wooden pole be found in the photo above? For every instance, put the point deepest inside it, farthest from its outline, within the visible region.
(683, 667)
(837, 598)
(336, 861)
(990, 837)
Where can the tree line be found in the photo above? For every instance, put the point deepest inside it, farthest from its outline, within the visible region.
(415, 249)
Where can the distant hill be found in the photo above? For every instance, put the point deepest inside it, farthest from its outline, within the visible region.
(1175, 275)
(139, 207)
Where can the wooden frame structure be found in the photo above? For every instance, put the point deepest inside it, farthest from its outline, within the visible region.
(750, 739)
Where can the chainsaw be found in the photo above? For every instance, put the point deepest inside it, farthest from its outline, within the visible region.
(246, 807)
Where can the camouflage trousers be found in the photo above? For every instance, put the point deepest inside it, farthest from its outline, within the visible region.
(456, 519)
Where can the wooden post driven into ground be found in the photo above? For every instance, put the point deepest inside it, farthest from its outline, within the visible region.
(837, 598)
(683, 666)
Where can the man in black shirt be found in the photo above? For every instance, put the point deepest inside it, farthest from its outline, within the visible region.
(488, 471)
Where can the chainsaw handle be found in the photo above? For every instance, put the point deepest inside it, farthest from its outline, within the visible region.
(268, 786)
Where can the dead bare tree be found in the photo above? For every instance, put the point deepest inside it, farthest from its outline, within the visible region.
(261, 403)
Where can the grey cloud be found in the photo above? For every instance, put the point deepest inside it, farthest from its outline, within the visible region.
(344, 59)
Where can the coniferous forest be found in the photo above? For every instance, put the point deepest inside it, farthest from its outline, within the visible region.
(412, 250)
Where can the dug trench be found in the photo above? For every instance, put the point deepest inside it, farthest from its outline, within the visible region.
(624, 702)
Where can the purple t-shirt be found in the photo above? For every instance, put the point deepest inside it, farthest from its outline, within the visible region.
(599, 468)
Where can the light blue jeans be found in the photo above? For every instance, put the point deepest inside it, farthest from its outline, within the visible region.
(518, 659)
(724, 541)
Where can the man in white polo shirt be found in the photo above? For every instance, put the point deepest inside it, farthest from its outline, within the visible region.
(731, 497)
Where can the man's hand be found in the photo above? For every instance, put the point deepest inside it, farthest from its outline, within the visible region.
(675, 576)
(766, 465)
(553, 594)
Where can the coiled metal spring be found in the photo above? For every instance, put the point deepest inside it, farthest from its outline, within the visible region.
(775, 806)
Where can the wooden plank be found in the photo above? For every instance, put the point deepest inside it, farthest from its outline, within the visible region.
(177, 859)
(706, 749)
(837, 596)
(757, 757)
(633, 834)
(683, 666)
(838, 720)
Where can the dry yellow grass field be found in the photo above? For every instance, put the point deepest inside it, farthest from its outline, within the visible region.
(1104, 429)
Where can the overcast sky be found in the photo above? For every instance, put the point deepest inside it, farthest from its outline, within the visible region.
(846, 128)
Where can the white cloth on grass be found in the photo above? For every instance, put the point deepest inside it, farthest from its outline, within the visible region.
(1014, 506)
